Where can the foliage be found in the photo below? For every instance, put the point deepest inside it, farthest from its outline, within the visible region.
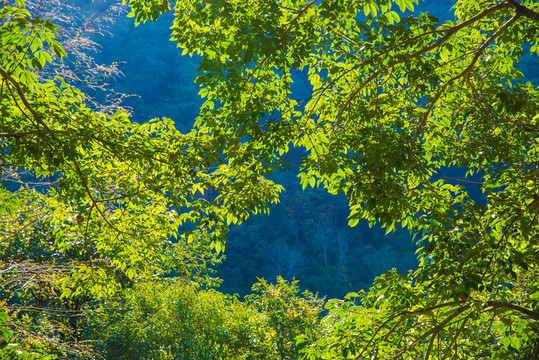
(401, 108)
(286, 315)
(398, 317)
(168, 321)
(106, 195)
(178, 320)
(38, 319)
(106, 182)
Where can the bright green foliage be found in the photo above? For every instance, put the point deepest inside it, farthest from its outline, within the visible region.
(106, 195)
(180, 321)
(12, 350)
(110, 188)
(176, 321)
(401, 319)
(143, 11)
(286, 316)
(401, 108)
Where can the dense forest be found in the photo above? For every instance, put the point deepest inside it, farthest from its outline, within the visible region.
(269, 180)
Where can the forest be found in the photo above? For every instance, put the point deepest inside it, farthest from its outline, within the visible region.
(289, 179)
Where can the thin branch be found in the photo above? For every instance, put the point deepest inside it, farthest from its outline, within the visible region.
(402, 313)
(456, 336)
(524, 310)
(458, 180)
(434, 330)
(6, 76)
(429, 349)
(47, 310)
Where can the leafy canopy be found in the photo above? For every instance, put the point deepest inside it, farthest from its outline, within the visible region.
(119, 188)
(421, 123)
(95, 194)
(400, 108)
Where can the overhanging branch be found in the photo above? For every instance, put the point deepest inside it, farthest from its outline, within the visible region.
(524, 11)
(524, 310)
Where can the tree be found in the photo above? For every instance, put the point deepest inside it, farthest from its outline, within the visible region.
(420, 123)
(162, 321)
(119, 200)
(179, 320)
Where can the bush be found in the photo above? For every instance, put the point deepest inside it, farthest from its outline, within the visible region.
(181, 321)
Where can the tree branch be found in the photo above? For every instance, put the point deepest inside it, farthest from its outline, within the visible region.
(524, 11)
(6, 76)
(524, 310)
(434, 330)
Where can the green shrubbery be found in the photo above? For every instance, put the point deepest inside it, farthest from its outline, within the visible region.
(178, 320)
